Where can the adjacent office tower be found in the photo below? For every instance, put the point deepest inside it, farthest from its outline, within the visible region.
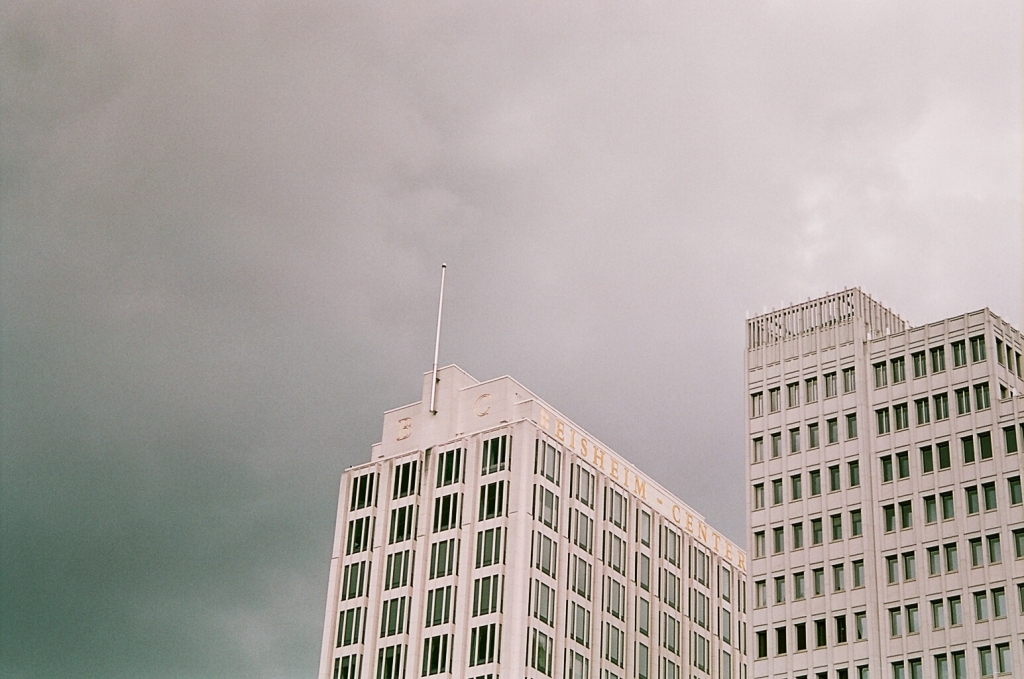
(494, 537)
(884, 493)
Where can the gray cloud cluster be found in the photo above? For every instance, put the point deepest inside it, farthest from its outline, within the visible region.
(221, 226)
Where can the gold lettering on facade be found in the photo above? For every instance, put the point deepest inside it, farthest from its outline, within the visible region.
(560, 430)
(639, 486)
(482, 405)
(544, 419)
(742, 561)
(572, 438)
(598, 458)
(689, 523)
(702, 533)
(676, 511)
(728, 551)
(583, 448)
(615, 469)
(404, 428)
(718, 539)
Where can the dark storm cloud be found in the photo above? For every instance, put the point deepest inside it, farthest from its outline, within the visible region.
(221, 224)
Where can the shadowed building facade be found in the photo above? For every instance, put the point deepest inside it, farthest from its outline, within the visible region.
(884, 503)
(496, 538)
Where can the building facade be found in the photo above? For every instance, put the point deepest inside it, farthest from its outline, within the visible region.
(884, 503)
(495, 538)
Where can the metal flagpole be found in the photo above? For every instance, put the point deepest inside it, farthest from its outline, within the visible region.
(437, 343)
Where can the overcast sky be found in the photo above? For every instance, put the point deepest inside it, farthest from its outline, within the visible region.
(221, 226)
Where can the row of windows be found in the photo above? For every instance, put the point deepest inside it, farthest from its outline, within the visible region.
(841, 634)
(799, 584)
(948, 612)
(796, 484)
(817, 533)
(980, 548)
(810, 391)
(974, 498)
(813, 437)
(900, 419)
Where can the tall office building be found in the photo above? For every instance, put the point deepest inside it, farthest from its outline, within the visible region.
(884, 493)
(495, 537)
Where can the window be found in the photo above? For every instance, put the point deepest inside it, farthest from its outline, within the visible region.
(794, 440)
(889, 518)
(446, 512)
(439, 606)
(853, 469)
(976, 552)
(643, 574)
(899, 370)
(545, 555)
(837, 527)
(578, 666)
(362, 491)
(392, 617)
(901, 416)
(833, 430)
(435, 655)
(487, 593)
(882, 419)
(977, 348)
(952, 563)
(955, 611)
(389, 662)
(934, 561)
(818, 577)
(778, 541)
(931, 509)
(758, 496)
(972, 499)
(838, 578)
(858, 573)
(927, 461)
(350, 626)
(941, 402)
(615, 644)
(758, 544)
(760, 594)
(820, 638)
(938, 359)
(860, 623)
(909, 566)
(483, 644)
(938, 614)
(881, 375)
(547, 462)
(815, 479)
(777, 491)
(488, 548)
(886, 461)
(816, 532)
(995, 553)
(442, 558)
(494, 455)
(913, 621)
(774, 398)
(761, 641)
(896, 622)
(644, 527)
(780, 590)
(798, 535)
(360, 535)
(830, 385)
(492, 503)
(757, 404)
(921, 407)
(1018, 544)
(796, 486)
(963, 401)
(812, 435)
(920, 366)
(401, 524)
(840, 629)
(449, 465)
(959, 353)
(1010, 438)
(776, 444)
(581, 577)
(849, 381)
(1003, 660)
(967, 445)
(856, 523)
(998, 602)
(1014, 490)
(396, 572)
(906, 515)
(851, 426)
(988, 491)
(981, 396)
(793, 395)
(811, 390)
(980, 606)
(903, 465)
(942, 448)
(757, 449)
(833, 478)
(798, 585)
